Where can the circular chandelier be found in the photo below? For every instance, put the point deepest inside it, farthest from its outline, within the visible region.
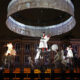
(29, 30)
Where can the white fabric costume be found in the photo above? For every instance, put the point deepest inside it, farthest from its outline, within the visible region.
(43, 42)
(38, 54)
(10, 50)
(69, 53)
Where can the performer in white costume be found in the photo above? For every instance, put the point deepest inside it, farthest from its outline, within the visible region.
(10, 55)
(69, 53)
(43, 42)
(42, 45)
(10, 50)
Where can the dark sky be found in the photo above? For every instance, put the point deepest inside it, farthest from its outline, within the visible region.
(5, 33)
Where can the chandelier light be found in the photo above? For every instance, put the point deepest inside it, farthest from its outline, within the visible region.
(29, 30)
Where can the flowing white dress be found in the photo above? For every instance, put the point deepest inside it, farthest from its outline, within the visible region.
(69, 53)
(43, 42)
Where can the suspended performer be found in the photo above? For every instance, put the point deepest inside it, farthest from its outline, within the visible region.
(43, 42)
(10, 50)
(42, 45)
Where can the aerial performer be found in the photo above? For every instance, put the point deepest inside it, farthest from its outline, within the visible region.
(9, 55)
(11, 50)
(43, 46)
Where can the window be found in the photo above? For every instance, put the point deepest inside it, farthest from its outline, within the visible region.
(36, 46)
(17, 59)
(27, 47)
(49, 46)
(3, 47)
(26, 59)
(17, 46)
(74, 48)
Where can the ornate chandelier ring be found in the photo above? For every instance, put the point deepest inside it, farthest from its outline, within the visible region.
(27, 30)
